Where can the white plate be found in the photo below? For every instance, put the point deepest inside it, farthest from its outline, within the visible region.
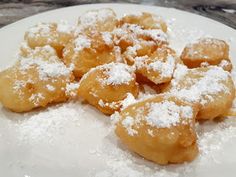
(74, 140)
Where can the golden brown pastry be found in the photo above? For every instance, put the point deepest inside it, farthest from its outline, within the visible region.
(160, 129)
(211, 86)
(88, 51)
(107, 85)
(159, 67)
(57, 35)
(145, 20)
(135, 41)
(205, 52)
(100, 20)
(35, 81)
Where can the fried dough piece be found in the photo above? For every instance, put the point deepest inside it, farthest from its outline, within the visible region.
(101, 20)
(89, 51)
(34, 81)
(212, 87)
(145, 20)
(107, 85)
(207, 51)
(159, 67)
(53, 34)
(135, 41)
(141, 48)
(160, 129)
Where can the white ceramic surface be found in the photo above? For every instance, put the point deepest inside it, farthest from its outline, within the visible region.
(75, 140)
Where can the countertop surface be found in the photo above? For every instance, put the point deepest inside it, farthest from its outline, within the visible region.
(223, 11)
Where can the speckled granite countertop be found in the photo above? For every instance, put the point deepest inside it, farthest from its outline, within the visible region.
(221, 10)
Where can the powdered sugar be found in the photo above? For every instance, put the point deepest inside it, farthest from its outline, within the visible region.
(50, 87)
(113, 105)
(44, 124)
(131, 51)
(41, 29)
(186, 111)
(64, 27)
(46, 69)
(180, 36)
(36, 98)
(157, 68)
(18, 84)
(134, 13)
(117, 73)
(224, 63)
(195, 50)
(130, 99)
(204, 64)
(107, 37)
(82, 42)
(166, 68)
(72, 89)
(167, 113)
(209, 84)
(161, 115)
(46, 63)
(155, 34)
(101, 103)
(128, 122)
(147, 93)
(91, 18)
(140, 61)
(211, 141)
(117, 52)
(139, 37)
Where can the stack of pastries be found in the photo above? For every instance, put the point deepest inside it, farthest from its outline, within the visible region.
(110, 63)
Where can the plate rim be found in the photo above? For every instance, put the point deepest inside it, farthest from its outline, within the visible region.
(110, 4)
